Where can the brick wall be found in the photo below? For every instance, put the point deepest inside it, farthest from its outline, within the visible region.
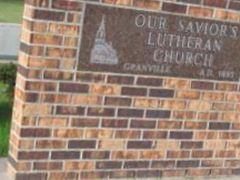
(86, 125)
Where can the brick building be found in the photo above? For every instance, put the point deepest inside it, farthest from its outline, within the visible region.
(75, 124)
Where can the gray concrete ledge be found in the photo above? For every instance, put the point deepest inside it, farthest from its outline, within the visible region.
(3, 165)
(3, 169)
(4, 176)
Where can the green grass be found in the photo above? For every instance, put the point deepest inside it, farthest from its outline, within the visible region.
(11, 11)
(5, 121)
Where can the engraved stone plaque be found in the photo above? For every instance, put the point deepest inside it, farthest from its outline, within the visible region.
(154, 43)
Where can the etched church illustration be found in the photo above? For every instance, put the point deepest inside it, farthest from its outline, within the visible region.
(102, 51)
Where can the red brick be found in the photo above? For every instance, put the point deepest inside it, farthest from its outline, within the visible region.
(63, 175)
(60, 52)
(65, 155)
(149, 4)
(74, 88)
(55, 98)
(169, 124)
(181, 135)
(73, 17)
(202, 154)
(219, 125)
(229, 135)
(35, 132)
(149, 81)
(191, 144)
(88, 77)
(118, 2)
(195, 125)
(158, 114)
(59, 75)
(34, 155)
(127, 155)
(215, 3)
(46, 39)
(120, 79)
(67, 5)
(178, 154)
(200, 11)
(49, 15)
(155, 134)
(149, 173)
(31, 50)
(96, 155)
(53, 144)
(161, 93)
(122, 174)
(143, 124)
(104, 112)
(171, 7)
(163, 164)
(212, 163)
(202, 85)
(139, 144)
(221, 172)
(47, 165)
(94, 175)
(173, 173)
(35, 176)
(232, 163)
(234, 4)
(188, 163)
(115, 123)
(191, 1)
(225, 154)
(98, 133)
(82, 144)
(198, 172)
(226, 87)
(127, 134)
(136, 164)
(68, 110)
(184, 114)
(236, 171)
(118, 101)
(134, 91)
(109, 165)
(130, 113)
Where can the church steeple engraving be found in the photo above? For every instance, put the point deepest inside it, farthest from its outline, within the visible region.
(101, 33)
(102, 51)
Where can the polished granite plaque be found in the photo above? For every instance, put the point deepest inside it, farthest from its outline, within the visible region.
(134, 41)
